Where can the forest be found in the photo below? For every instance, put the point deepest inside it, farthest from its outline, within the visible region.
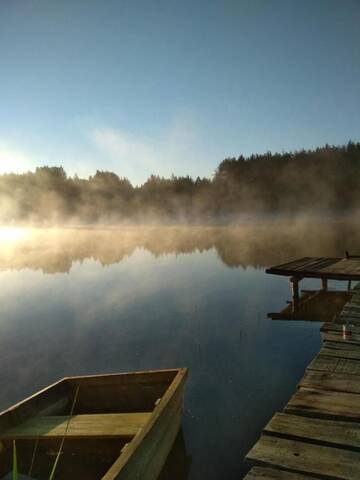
(326, 179)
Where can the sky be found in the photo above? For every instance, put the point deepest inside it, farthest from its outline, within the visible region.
(173, 87)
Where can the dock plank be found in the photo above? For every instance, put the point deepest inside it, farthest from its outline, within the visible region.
(337, 433)
(307, 458)
(265, 473)
(314, 264)
(322, 403)
(338, 337)
(339, 350)
(293, 263)
(320, 264)
(318, 432)
(320, 267)
(335, 382)
(336, 327)
(324, 363)
(80, 426)
(335, 365)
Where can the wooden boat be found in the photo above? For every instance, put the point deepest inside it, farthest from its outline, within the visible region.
(107, 427)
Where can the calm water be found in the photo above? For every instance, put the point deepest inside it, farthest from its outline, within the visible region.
(82, 301)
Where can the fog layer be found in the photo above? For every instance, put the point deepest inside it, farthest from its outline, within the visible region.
(325, 179)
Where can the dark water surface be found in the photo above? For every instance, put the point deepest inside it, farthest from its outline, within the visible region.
(86, 301)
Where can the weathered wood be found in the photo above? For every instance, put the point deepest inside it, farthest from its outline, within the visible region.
(145, 377)
(352, 306)
(326, 404)
(147, 452)
(335, 365)
(319, 431)
(341, 350)
(80, 426)
(307, 458)
(318, 267)
(347, 320)
(338, 337)
(101, 398)
(337, 433)
(337, 382)
(350, 311)
(295, 292)
(330, 327)
(324, 363)
(266, 473)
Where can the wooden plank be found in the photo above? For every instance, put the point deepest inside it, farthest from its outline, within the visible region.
(337, 433)
(348, 366)
(306, 458)
(265, 473)
(341, 350)
(335, 382)
(343, 266)
(352, 306)
(337, 327)
(354, 301)
(146, 453)
(341, 346)
(344, 319)
(293, 263)
(333, 405)
(80, 426)
(353, 339)
(320, 267)
(109, 379)
(19, 477)
(324, 363)
(335, 365)
(312, 264)
(350, 312)
(320, 264)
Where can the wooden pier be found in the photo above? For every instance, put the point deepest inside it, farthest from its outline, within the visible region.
(324, 268)
(317, 435)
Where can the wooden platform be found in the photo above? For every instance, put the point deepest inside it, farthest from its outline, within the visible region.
(320, 267)
(317, 435)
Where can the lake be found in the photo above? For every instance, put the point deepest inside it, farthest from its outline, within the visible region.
(80, 301)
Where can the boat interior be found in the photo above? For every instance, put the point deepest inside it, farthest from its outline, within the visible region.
(89, 420)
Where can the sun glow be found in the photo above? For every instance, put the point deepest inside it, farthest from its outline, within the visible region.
(9, 234)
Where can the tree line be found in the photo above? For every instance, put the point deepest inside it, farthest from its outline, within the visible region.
(323, 179)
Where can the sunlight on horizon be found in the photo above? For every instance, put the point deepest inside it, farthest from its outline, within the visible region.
(9, 234)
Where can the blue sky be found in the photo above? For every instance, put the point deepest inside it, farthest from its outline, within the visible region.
(164, 86)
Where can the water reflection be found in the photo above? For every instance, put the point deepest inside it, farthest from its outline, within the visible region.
(147, 298)
(314, 306)
(255, 245)
(178, 463)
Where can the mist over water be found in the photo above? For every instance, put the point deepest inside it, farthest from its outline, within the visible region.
(92, 300)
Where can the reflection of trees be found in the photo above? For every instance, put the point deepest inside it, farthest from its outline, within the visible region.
(256, 245)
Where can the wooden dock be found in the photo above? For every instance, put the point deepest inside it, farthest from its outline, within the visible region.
(317, 435)
(324, 268)
(347, 268)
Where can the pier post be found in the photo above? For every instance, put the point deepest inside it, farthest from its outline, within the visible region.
(295, 292)
(324, 283)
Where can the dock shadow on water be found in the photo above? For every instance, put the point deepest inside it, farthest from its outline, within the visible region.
(85, 301)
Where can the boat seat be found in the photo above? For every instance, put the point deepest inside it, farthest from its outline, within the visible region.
(80, 426)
